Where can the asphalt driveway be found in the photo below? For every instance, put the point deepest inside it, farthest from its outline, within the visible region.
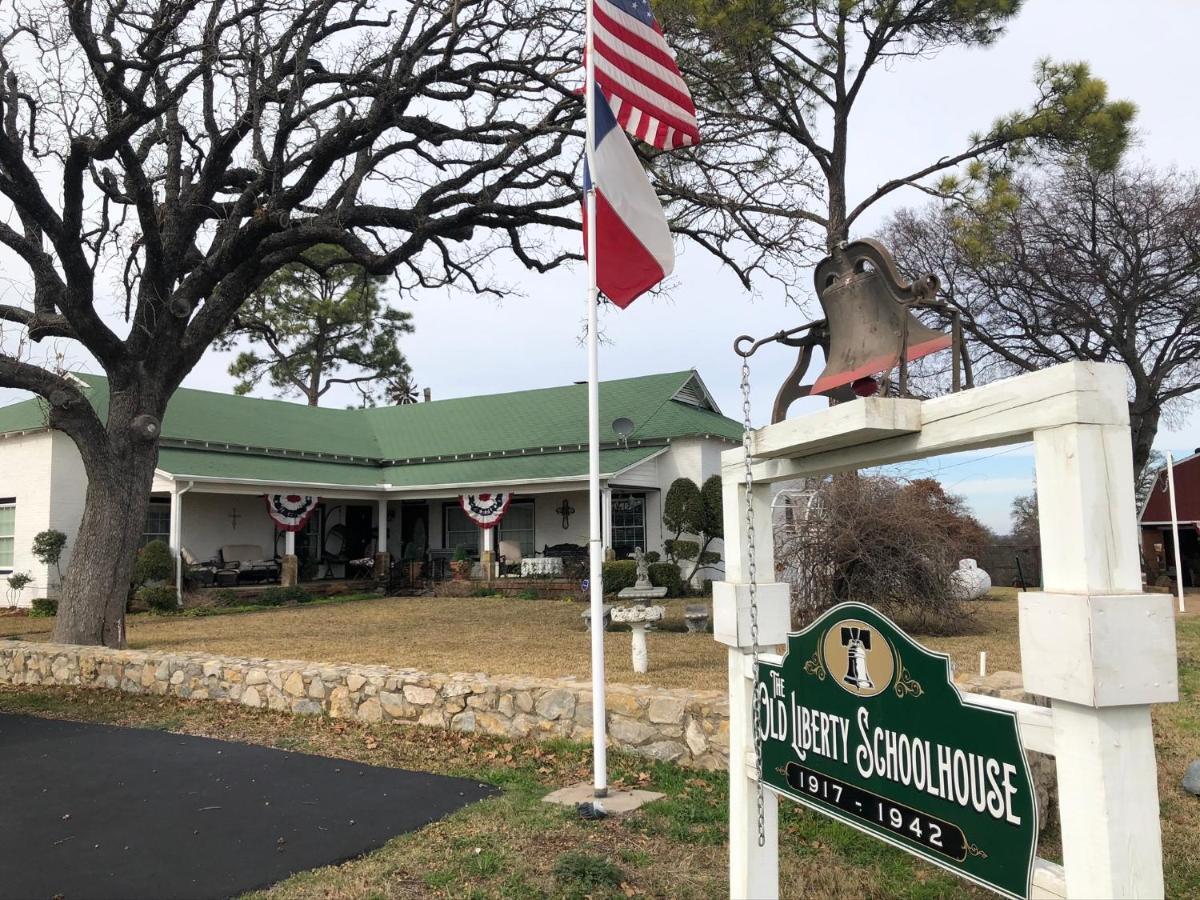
(99, 811)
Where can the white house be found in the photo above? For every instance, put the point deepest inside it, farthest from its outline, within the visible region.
(387, 476)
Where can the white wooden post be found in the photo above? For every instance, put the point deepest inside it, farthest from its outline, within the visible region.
(753, 870)
(1102, 652)
(382, 558)
(175, 538)
(1175, 530)
(606, 498)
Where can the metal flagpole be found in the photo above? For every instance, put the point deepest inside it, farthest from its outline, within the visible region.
(1175, 529)
(595, 543)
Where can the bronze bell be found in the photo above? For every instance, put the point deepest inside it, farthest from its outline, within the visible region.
(866, 303)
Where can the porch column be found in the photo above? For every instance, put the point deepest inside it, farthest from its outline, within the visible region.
(382, 559)
(488, 555)
(289, 575)
(606, 522)
(175, 537)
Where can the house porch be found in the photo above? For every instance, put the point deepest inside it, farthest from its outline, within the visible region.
(393, 527)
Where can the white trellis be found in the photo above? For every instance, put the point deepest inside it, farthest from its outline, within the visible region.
(1095, 645)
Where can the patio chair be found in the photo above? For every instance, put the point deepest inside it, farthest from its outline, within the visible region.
(202, 573)
(334, 551)
(510, 557)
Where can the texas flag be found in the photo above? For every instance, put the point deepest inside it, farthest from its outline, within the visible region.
(633, 243)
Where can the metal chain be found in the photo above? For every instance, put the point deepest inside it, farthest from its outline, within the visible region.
(752, 572)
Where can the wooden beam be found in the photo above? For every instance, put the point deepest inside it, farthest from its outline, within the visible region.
(1004, 412)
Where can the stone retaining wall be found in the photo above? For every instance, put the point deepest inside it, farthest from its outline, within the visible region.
(683, 726)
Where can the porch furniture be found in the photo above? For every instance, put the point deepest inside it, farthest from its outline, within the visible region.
(333, 553)
(510, 557)
(541, 565)
(439, 564)
(249, 563)
(364, 566)
(201, 573)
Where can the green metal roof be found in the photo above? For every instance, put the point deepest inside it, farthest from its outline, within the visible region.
(538, 434)
(533, 467)
(279, 470)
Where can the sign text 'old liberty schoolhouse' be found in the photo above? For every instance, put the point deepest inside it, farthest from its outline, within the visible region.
(862, 723)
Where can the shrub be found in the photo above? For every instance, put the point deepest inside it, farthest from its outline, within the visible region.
(653, 556)
(619, 575)
(43, 608)
(18, 581)
(880, 541)
(159, 597)
(529, 594)
(155, 562)
(280, 596)
(48, 547)
(667, 575)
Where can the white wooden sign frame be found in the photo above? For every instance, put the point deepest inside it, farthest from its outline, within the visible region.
(1095, 645)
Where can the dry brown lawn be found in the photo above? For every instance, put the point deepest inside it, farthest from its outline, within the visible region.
(500, 636)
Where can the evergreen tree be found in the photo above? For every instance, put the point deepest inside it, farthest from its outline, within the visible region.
(318, 323)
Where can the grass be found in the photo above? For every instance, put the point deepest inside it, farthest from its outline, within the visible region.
(513, 845)
(540, 637)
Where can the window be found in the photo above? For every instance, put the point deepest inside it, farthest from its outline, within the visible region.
(8, 531)
(628, 523)
(158, 523)
(517, 526)
(458, 529)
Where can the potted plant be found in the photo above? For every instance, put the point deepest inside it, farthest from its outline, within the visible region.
(461, 564)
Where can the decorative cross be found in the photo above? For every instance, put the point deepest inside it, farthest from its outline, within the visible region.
(235, 515)
(566, 510)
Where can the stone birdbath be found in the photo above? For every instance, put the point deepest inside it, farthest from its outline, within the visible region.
(642, 613)
(637, 617)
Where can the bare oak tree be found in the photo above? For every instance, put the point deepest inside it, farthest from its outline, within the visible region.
(160, 158)
(1068, 263)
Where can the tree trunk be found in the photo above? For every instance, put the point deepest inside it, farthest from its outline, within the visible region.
(1143, 427)
(91, 609)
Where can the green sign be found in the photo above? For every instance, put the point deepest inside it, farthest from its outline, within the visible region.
(862, 723)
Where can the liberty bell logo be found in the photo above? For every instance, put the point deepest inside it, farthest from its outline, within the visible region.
(857, 641)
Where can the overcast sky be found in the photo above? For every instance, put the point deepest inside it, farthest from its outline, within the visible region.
(905, 118)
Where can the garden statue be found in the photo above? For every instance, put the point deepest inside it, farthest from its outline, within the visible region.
(641, 613)
(642, 590)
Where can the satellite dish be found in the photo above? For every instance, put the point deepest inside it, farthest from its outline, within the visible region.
(623, 428)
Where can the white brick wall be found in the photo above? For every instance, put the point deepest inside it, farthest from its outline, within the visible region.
(25, 474)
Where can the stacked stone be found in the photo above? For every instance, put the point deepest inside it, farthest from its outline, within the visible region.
(683, 726)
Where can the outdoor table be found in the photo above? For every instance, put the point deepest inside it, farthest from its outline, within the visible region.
(542, 565)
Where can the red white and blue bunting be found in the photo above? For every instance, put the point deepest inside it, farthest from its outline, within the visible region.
(290, 512)
(485, 510)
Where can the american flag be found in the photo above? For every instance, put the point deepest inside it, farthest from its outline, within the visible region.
(636, 70)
